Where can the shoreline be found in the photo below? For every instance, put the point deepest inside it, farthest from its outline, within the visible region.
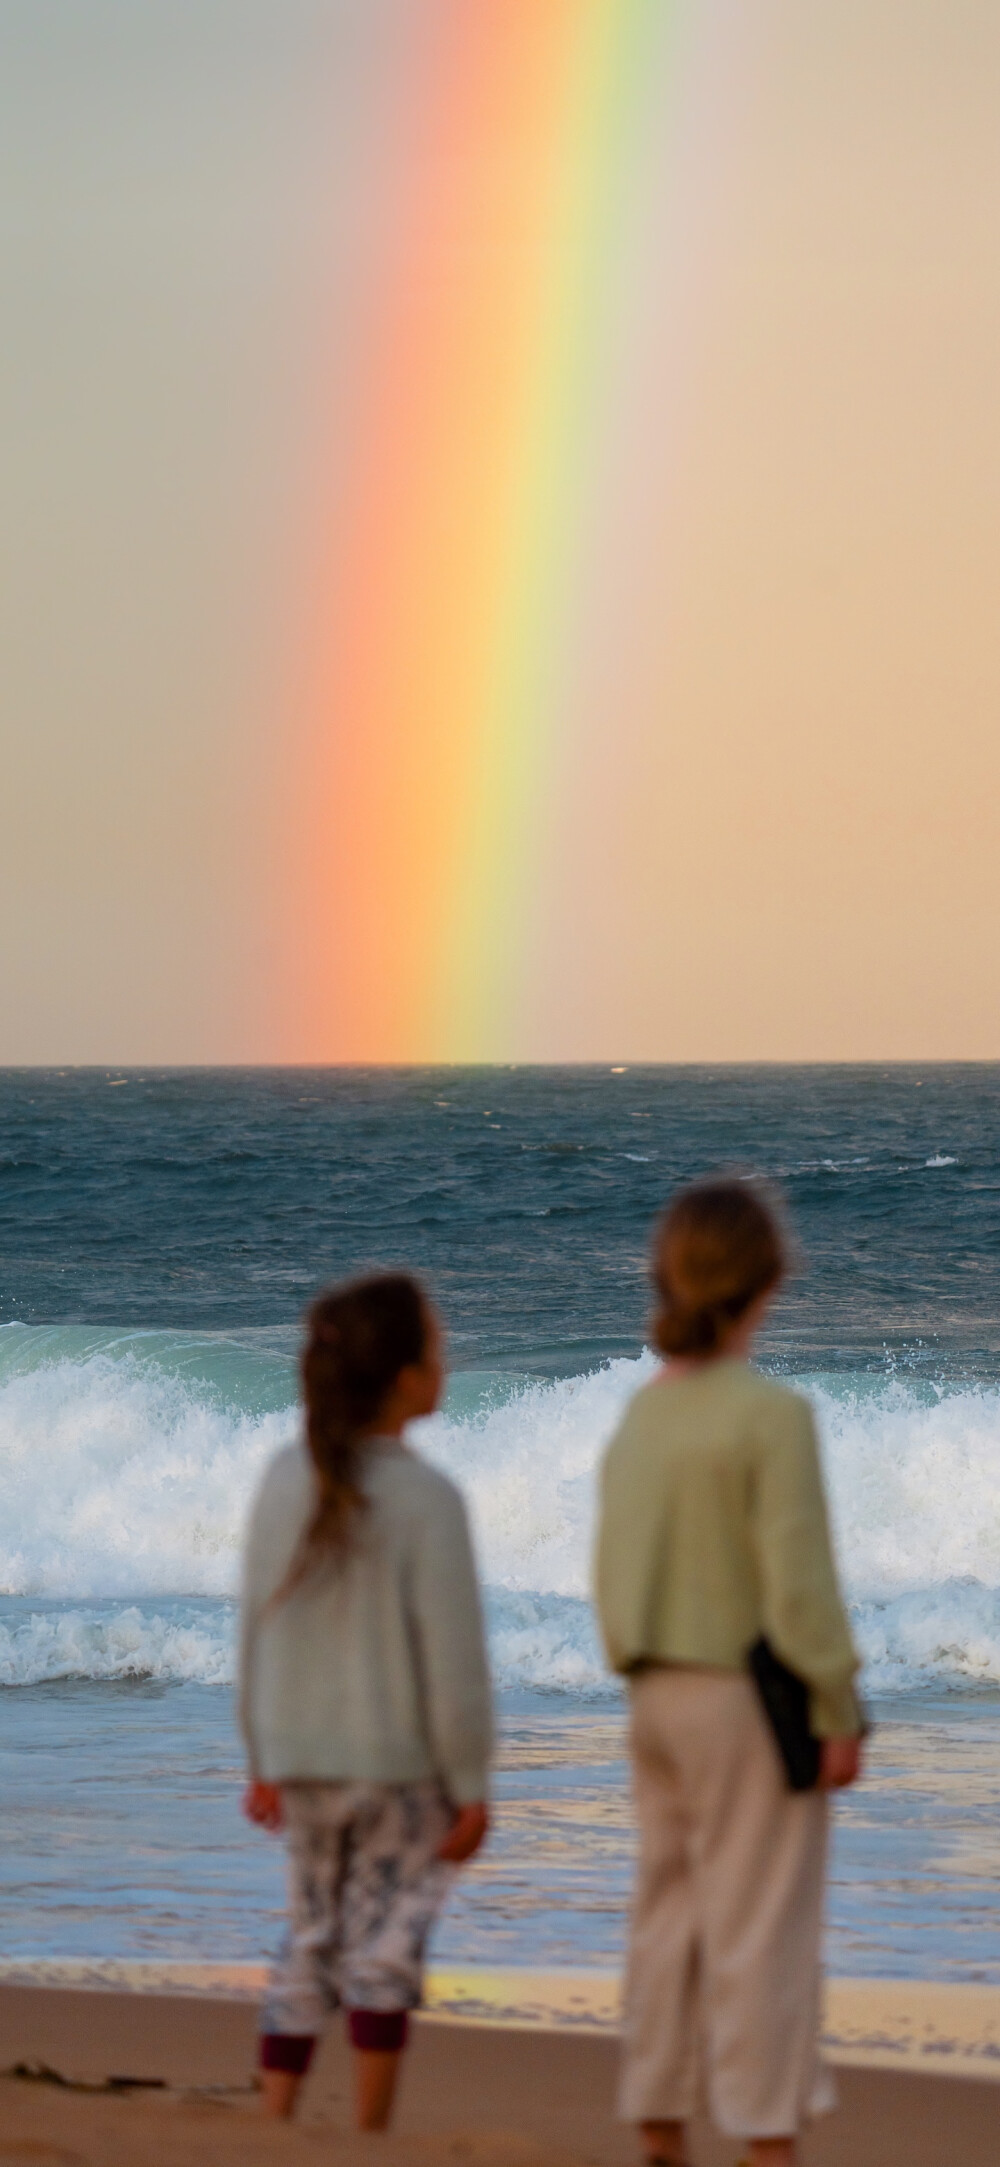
(952, 2029)
(111, 2078)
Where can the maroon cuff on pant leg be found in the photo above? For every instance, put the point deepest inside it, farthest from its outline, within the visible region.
(290, 2051)
(379, 2031)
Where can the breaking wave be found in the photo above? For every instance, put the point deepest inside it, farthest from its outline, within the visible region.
(127, 1466)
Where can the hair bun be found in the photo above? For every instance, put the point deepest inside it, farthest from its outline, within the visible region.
(718, 1246)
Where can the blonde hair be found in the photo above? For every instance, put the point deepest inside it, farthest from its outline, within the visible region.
(718, 1246)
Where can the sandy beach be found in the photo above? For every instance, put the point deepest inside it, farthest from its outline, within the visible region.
(166, 2081)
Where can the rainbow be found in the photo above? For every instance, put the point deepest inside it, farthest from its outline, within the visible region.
(459, 571)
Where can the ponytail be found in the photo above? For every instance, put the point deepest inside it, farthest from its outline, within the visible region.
(358, 1339)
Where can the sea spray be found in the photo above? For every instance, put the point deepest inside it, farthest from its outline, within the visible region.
(119, 1478)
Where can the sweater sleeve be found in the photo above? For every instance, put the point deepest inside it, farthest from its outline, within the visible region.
(244, 1698)
(448, 1623)
(252, 1595)
(804, 1616)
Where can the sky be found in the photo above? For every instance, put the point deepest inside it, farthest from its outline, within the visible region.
(500, 530)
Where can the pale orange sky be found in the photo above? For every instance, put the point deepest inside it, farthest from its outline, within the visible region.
(802, 861)
(778, 839)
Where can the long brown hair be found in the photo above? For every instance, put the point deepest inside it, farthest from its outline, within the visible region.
(718, 1246)
(358, 1339)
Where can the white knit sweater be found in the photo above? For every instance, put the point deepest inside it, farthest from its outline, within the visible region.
(374, 1667)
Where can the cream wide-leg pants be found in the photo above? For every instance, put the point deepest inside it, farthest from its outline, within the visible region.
(722, 1997)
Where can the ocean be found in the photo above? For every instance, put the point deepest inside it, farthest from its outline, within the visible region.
(161, 1231)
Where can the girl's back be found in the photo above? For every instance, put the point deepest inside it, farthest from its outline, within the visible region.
(714, 1530)
(372, 1668)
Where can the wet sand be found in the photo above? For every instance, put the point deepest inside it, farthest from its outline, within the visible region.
(480, 2092)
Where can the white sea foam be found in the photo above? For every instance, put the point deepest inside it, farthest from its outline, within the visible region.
(527, 1463)
(130, 1642)
(120, 1479)
(544, 1641)
(125, 1491)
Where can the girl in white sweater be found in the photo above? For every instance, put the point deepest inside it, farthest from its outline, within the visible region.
(364, 1690)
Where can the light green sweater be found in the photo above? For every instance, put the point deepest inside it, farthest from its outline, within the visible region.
(374, 1668)
(714, 1530)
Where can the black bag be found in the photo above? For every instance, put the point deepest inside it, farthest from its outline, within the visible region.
(786, 1705)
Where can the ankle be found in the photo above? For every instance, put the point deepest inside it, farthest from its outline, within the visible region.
(663, 2144)
(278, 2093)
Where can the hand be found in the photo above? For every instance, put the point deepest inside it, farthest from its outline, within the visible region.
(465, 1835)
(839, 1763)
(262, 1803)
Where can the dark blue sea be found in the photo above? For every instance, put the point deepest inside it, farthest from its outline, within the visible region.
(160, 1232)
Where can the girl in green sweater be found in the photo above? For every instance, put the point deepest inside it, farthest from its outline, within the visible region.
(713, 1534)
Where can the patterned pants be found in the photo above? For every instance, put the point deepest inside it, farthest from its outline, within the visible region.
(365, 1886)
